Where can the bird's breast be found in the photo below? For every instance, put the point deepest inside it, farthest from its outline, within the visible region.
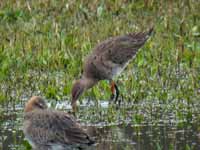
(117, 69)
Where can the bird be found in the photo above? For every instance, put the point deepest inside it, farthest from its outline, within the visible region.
(107, 60)
(48, 129)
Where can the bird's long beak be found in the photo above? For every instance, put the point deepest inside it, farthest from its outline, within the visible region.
(74, 108)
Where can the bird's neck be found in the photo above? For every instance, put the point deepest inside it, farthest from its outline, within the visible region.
(88, 82)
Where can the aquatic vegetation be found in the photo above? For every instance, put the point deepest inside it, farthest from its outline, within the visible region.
(46, 38)
(43, 45)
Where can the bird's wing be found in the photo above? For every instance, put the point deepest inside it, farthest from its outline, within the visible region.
(40, 128)
(122, 48)
(57, 128)
(70, 130)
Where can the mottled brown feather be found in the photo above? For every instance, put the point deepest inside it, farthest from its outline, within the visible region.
(117, 50)
(50, 125)
(107, 60)
(46, 127)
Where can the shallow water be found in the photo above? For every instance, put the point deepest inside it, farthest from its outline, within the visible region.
(112, 136)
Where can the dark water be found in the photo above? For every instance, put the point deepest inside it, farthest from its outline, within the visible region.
(124, 136)
(145, 137)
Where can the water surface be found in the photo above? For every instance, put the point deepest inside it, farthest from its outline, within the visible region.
(126, 135)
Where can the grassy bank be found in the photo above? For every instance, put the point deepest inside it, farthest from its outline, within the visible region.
(43, 45)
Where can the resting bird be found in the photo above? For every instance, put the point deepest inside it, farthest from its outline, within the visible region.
(107, 60)
(47, 129)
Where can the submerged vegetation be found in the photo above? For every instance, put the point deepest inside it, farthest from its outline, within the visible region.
(43, 44)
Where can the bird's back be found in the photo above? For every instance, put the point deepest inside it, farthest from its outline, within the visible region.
(53, 128)
(113, 54)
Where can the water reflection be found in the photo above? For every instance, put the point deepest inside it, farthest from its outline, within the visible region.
(120, 137)
(145, 137)
(163, 135)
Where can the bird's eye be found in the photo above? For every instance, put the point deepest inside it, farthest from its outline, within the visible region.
(39, 105)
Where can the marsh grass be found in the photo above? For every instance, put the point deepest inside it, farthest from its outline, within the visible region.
(43, 45)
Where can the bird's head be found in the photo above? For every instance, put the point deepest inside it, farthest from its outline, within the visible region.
(34, 103)
(77, 90)
(79, 87)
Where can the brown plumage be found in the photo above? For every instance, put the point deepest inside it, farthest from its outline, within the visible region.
(107, 60)
(48, 129)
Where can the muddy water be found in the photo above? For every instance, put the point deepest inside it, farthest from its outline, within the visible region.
(124, 136)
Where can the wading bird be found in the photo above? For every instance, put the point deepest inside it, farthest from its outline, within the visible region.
(108, 59)
(48, 129)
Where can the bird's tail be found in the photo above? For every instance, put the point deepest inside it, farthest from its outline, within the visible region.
(141, 36)
(150, 31)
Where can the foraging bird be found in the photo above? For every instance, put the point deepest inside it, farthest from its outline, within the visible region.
(107, 60)
(48, 129)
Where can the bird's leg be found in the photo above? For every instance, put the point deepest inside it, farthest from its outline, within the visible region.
(115, 91)
(112, 87)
